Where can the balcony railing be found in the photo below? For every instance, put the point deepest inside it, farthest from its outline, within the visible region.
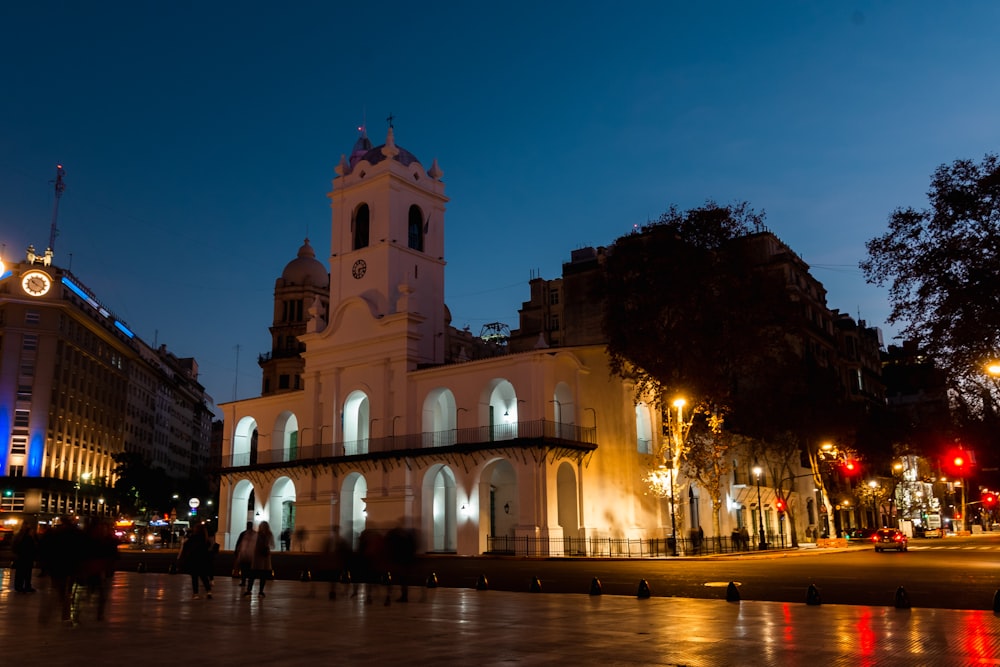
(543, 430)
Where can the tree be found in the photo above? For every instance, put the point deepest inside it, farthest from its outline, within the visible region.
(709, 461)
(941, 264)
(688, 312)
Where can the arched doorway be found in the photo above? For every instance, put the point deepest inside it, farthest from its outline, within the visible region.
(501, 405)
(286, 432)
(440, 501)
(281, 507)
(564, 412)
(356, 423)
(567, 510)
(242, 506)
(439, 418)
(498, 505)
(245, 442)
(352, 508)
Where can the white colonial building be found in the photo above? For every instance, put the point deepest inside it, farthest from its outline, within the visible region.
(394, 416)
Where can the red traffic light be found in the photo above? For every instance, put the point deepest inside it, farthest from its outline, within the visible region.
(851, 467)
(780, 504)
(989, 500)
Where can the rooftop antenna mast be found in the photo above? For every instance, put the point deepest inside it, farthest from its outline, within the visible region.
(60, 186)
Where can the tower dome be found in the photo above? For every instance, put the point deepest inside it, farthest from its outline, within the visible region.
(305, 269)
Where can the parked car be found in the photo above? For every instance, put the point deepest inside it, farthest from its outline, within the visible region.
(890, 538)
(861, 533)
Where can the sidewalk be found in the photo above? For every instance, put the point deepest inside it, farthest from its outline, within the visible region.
(152, 620)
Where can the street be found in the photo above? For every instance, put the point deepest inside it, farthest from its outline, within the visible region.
(948, 573)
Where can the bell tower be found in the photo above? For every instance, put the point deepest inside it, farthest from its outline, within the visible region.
(387, 241)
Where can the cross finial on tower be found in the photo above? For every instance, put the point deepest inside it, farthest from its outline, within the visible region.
(389, 120)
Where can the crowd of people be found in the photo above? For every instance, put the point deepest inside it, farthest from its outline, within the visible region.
(80, 562)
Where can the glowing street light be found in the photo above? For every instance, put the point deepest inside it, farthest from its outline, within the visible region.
(757, 470)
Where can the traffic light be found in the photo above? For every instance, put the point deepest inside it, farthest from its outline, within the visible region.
(780, 505)
(989, 500)
(851, 467)
(8, 493)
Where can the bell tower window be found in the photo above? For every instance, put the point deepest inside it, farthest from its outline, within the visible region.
(416, 228)
(361, 225)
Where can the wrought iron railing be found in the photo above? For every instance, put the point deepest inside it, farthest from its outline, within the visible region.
(614, 547)
(536, 429)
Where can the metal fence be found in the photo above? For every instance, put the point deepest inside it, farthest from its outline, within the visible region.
(535, 429)
(614, 547)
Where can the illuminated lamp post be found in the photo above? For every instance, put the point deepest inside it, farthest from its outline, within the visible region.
(872, 484)
(757, 470)
(676, 444)
(76, 491)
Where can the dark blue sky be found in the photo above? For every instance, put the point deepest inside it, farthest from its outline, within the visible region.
(200, 139)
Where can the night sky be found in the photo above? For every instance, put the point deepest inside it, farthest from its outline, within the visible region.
(200, 138)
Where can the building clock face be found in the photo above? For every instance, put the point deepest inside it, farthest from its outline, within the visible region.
(36, 283)
(359, 268)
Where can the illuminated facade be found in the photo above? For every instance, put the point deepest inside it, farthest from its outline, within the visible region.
(77, 387)
(403, 418)
(388, 414)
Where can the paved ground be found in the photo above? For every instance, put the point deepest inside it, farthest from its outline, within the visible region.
(152, 620)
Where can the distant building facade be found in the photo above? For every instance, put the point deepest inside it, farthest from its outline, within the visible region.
(77, 386)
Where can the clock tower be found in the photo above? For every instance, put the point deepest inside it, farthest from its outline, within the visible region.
(387, 245)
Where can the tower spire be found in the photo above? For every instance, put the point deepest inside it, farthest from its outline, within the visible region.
(59, 186)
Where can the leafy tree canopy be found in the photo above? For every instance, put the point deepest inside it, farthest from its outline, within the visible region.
(942, 265)
(693, 310)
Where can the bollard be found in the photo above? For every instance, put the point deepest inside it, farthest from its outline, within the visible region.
(305, 575)
(902, 598)
(481, 583)
(536, 586)
(643, 593)
(345, 577)
(172, 569)
(236, 573)
(813, 596)
(432, 580)
(595, 586)
(387, 579)
(140, 567)
(732, 592)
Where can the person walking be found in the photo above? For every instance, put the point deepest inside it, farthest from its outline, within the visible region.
(245, 545)
(25, 547)
(196, 559)
(260, 566)
(60, 554)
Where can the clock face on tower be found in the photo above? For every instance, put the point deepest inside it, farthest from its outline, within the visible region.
(36, 283)
(359, 268)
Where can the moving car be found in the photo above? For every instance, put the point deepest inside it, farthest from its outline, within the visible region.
(890, 538)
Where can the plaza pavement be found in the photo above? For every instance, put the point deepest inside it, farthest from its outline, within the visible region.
(153, 620)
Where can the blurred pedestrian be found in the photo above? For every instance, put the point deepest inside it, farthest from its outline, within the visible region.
(60, 555)
(336, 561)
(245, 544)
(370, 563)
(97, 563)
(25, 547)
(196, 559)
(401, 551)
(260, 566)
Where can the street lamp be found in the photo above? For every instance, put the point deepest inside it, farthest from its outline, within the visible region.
(760, 509)
(76, 491)
(677, 445)
(872, 484)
